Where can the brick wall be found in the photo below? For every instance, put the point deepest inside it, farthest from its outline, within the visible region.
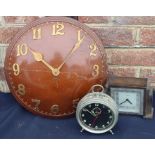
(129, 43)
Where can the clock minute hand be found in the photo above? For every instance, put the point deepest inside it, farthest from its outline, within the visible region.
(128, 101)
(75, 47)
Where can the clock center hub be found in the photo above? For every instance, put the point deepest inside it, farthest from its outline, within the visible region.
(56, 72)
(97, 111)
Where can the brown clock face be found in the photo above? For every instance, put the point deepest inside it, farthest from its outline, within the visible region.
(52, 63)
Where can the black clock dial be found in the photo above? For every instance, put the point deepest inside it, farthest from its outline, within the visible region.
(96, 116)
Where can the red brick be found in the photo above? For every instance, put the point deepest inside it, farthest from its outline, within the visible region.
(122, 71)
(147, 73)
(19, 19)
(94, 19)
(6, 34)
(134, 20)
(119, 20)
(150, 74)
(116, 36)
(132, 57)
(147, 37)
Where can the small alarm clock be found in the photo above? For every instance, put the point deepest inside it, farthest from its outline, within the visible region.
(97, 112)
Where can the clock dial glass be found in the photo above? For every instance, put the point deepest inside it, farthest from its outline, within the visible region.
(51, 63)
(129, 100)
(96, 116)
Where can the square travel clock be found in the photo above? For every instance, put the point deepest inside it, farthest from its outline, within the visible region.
(129, 100)
(132, 95)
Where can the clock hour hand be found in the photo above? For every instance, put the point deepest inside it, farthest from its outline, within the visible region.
(38, 57)
(122, 102)
(75, 47)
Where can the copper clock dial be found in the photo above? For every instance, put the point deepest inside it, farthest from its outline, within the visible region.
(52, 63)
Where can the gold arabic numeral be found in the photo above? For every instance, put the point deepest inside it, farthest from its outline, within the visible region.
(55, 109)
(79, 36)
(21, 89)
(95, 70)
(93, 49)
(36, 104)
(58, 29)
(36, 33)
(16, 69)
(22, 49)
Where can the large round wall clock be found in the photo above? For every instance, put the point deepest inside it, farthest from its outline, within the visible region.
(52, 63)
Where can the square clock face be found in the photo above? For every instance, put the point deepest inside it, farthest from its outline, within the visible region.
(129, 100)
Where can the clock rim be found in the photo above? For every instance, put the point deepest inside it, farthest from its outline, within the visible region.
(43, 20)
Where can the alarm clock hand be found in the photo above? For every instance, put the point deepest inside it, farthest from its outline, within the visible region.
(38, 57)
(94, 121)
(96, 117)
(91, 112)
(75, 47)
